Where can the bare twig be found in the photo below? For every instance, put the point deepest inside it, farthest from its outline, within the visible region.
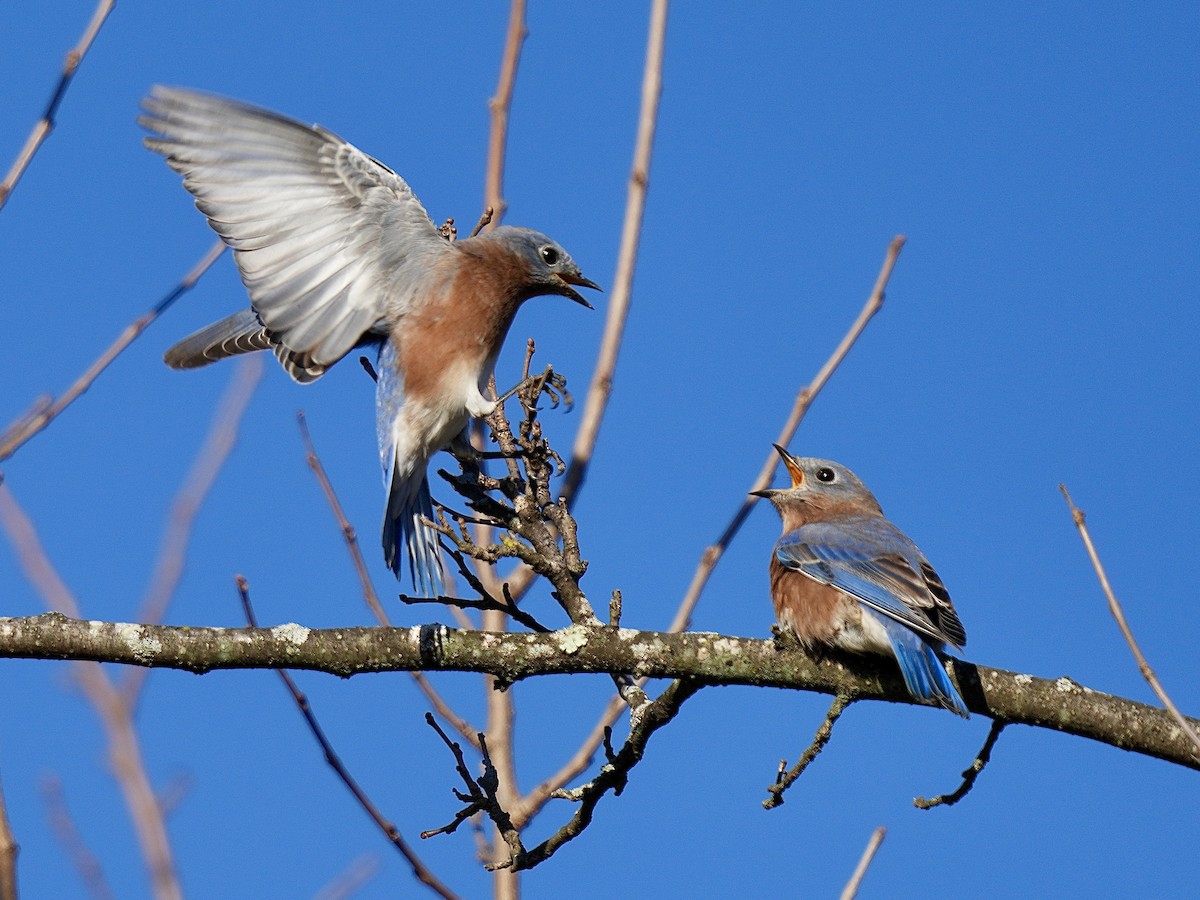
(172, 553)
(785, 779)
(46, 410)
(969, 774)
(482, 795)
(500, 105)
(390, 831)
(1119, 614)
(91, 873)
(349, 535)
(533, 802)
(172, 796)
(45, 125)
(441, 707)
(485, 219)
(124, 748)
(647, 719)
(354, 878)
(618, 306)
(8, 855)
(713, 553)
(482, 603)
(850, 891)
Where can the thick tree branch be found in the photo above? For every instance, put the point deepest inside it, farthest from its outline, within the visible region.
(1059, 704)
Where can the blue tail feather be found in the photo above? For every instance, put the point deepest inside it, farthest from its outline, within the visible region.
(924, 675)
(406, 536)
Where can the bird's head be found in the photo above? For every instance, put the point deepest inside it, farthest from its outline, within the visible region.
(818, 486)
(549, 268)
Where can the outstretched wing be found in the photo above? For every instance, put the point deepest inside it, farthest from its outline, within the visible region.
(871, 559)
(320, 231)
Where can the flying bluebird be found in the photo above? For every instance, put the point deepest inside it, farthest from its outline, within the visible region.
(337, 252)
(842, 575)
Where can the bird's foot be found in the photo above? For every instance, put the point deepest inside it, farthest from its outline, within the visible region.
(530, 388)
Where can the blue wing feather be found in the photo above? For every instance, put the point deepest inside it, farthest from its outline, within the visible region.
(870, 559)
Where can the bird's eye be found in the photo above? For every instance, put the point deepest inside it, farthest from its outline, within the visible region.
(826, 474)
(549, 255)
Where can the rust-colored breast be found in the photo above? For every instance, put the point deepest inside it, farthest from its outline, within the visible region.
(461, 327)
(815, 612)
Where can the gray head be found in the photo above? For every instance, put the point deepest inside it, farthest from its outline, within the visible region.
(549, 268)
(820, 485)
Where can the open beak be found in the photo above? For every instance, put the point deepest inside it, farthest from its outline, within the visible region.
(570, 278)
(791, 465)
(793, 468)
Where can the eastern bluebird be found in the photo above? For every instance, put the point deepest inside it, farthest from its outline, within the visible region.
(842, 575)
(337, 252)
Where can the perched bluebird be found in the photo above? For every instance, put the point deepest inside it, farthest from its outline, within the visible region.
(337, 252)
(842, 575)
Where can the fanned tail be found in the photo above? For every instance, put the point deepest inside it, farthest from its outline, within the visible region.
(924, 675)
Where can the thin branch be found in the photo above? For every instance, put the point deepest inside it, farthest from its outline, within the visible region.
(500, 105)
(88, 867)
(420, 871)
(483, 603)
(533, 802)
(172, 553)
(618, 307)
(499, 703)
(356, 876)
(350, 536)
(969, 774)
(501, 715)
(46, 410)
(45, 125)
(1119, 614)
(850, 891)
(713, 553)
(124, 748)
(485, 219)
(647, 719)
(786, 778)
(8, 855)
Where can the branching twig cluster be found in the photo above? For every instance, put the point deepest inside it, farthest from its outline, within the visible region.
(535, 527)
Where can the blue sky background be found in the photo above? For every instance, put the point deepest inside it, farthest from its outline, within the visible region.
(1040, 327)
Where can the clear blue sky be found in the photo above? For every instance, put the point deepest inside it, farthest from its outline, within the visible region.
(1040, 327)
